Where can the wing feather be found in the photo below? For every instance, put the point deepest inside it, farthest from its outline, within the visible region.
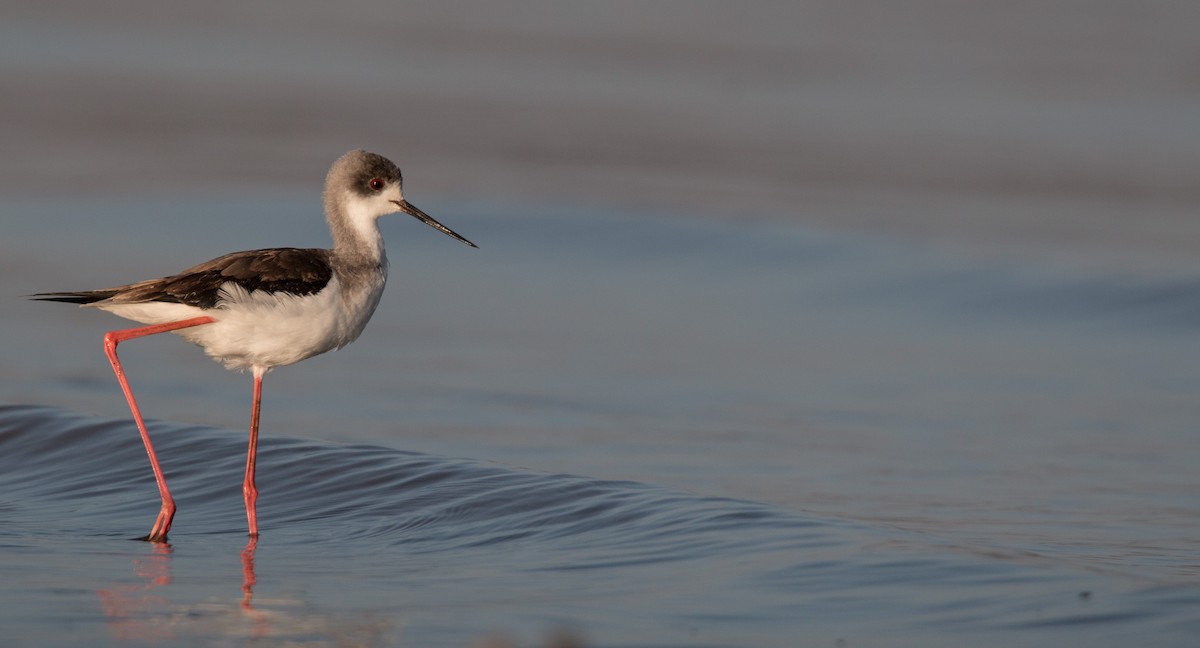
(297, 271)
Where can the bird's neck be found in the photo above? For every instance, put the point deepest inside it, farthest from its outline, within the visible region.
(356, 235)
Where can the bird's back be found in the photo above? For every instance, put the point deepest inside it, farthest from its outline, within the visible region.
(296, 271)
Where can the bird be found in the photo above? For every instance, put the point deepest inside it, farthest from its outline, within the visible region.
(260, 309)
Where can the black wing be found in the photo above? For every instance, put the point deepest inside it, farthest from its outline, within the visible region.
(295, 271)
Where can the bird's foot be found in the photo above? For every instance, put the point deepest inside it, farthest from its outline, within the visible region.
(162, 524)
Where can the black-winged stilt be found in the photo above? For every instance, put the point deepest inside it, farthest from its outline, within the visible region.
(262, 309)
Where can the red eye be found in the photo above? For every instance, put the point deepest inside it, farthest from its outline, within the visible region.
(375, 184)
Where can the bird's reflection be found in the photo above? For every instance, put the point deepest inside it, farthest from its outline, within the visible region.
(131, 607)
(142, 611)
(260, 623)
(248, 577)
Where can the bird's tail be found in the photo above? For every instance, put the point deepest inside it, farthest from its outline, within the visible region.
(83, 297)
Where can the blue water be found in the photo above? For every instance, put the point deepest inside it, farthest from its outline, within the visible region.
(621, 429)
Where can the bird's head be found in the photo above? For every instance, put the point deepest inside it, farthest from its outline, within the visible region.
(364, 186)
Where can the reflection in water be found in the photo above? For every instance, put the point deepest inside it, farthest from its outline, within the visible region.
(142, 611)
(261, 622)
(248, 578)
(131, 608)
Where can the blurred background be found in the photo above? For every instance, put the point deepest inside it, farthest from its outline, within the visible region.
(1036, 128)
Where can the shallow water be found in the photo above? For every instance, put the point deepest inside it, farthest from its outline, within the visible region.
(781, 437)
(365, 545)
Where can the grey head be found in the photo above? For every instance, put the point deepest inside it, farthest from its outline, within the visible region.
(362, 186)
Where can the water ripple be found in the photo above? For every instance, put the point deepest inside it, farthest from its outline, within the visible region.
(404, 539)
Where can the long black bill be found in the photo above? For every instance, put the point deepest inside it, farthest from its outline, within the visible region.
(411, 210)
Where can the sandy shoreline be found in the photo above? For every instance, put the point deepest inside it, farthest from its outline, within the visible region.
(1061, 132)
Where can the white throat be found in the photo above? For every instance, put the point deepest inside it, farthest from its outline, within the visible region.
(362, 223)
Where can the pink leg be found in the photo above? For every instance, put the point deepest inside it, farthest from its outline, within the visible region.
(248, 488)
(111, 339)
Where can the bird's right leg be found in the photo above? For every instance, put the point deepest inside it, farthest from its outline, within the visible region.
(111, 339)
(248, 488)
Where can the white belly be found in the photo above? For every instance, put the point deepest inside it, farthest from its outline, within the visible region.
(267, 330)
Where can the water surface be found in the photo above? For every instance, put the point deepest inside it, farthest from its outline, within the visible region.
(645, 430)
